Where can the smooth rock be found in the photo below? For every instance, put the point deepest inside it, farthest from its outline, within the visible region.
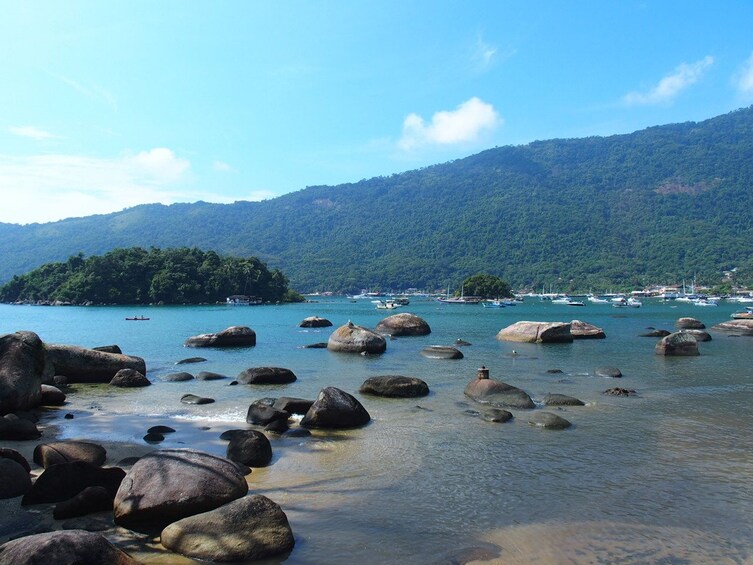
(699, 335)
(496, 415)
(315, 322)
(52, 453)
(13, 428)
(234, 336)
(548, 420)
(251, 448)
(8, 453)
(537, 332)
(81, 365)
(292, 405)
(689, 324)
(129, 378)
(178, 377)
(395, 386)
(109, 349)
(356, 339)
(210, 376)
(608, 371)
(497, 393)
(88, 501)
(334, 408)
(14, 479)
(403, 324)
(266, 375)
(51, 396)
(655, 333)
(193, 399)
(441, 352)
(65, 480)
(22, 362)
(190, 360)
(63, 547)
(678, 344)
(562, 400)
(262, 414)
(584, 330)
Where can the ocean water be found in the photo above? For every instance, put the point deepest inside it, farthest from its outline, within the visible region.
(663, 476)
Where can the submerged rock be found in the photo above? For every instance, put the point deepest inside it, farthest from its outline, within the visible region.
(548, 421)
(178, 377)
(193, 399)
(608, 371)
(442, 352)
(497, 393)
(562, 400)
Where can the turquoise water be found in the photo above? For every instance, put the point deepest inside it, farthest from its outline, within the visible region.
(661, 476)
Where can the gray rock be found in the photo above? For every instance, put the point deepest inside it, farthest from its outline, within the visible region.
(52, 453)
(178, 377)
(129, 378)
(689, 324)
(88, 501)
(51, 396)
(678, 344)
(193, 399)
(190, 360)
(496, 415)
(584, 330)
(251, 448)
(261, 414)
(334, 409)
(548, 420)
(441, 352)
(209, 376)
(257, 527)
(608, 371)
(497, 393)
(562, 400)
(394, 386)
(109, 349)
(403, 324)
(14, 479)
(315, 322)
(63, 547)
(699, 335)
(655, 333)
(617, 391)
(65, 480)
(293, 405)
(81, 365)
(741, 327)
(266, 375)
(537, 332)
(234, 336)
(169, 484)
(320, 345)
(356, 339)
(22, 361)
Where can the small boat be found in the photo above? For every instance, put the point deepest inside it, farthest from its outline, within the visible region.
(627, 303)
(385, 304)
(597, 300)
(137, 319)
(243, 300)
(493, 304)
(746, 315)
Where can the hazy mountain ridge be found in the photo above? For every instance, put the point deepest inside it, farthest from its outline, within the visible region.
(655, 205)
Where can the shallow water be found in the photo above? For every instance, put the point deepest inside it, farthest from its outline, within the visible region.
(663, 476)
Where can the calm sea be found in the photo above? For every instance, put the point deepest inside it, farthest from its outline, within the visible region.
(664, 476)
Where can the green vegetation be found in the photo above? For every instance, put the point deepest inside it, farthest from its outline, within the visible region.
(139, 276)
(656, 206)
(486, 286)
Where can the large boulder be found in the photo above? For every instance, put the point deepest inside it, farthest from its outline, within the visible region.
(741, 327)
(266, 376)
(51, 396)
(315, 322)
(82, 365)
(13, 428)
(52, 453)
(65, 480)
(22, 361)
(293, 405)
(251, 528)
(584, 330)
(334, 408)
(497, 393)
(261, 414)
(88, 501)
(403, 324)
(234, 336)
(14, 479)
(129, 378)
(356, 339)
(167, 485)
(689, 324)
(394, 386)
(699, 335)
(7, 453)
(250, 447)
(537, 332)
(677, 344)
(63, 547)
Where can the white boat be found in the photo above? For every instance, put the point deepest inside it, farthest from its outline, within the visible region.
(705, 302)
(242, 300)
(597, 300)
(492, 304)
(627, 303)
(385, 304)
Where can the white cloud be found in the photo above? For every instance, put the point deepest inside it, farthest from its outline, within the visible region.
(669, 87)
(32, 132)
(44, 188)
(222, 167)
(483, 53)
(745, 78)
(464, 124)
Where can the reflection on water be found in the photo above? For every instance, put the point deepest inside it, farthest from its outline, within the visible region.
(662, 476)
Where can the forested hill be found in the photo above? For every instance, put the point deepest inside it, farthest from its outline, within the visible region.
(657, 205)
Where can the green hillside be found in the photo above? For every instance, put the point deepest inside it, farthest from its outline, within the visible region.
(657, 205)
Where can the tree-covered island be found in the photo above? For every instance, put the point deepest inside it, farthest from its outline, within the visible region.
(149, 276)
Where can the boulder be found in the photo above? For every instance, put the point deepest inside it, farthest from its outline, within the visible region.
(334, 408)
(234, 336)
(562, 400)
(496, 415)
(14, 479)
(160, 429)
(677, 344)
(356, 339)
(266, 376)
(689, 324)
(292, 405)
(22, 362)
(441, 352)
(63, 547)
(315, 322)
(251, 448)
(179, 377)
(65, 480)
(319, 345)
(193, 399)
(404, 324)
(537, 332)
(81, 365)
(7, 453)
(277, 427)
(129, 378)
(699, 335)
(88, 501)
(741, 327)
(584, 330)
(655, 333)
(261, 414)
(169, 484)
(607, 371)
(190, 360)
(209, 376)
(548, 421)
(252, 528)
(13, 428)
(51, 396)
(497, 393)
(394, 386)
(52, 453)
(617, 391)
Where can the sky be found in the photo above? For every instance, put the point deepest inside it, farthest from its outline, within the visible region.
(107, 105)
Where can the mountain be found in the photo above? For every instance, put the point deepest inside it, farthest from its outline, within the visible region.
(657, 205)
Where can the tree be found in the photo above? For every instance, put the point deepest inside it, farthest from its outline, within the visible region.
(486, 286)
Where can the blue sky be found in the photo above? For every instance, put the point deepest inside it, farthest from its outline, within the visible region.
(106, 105)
